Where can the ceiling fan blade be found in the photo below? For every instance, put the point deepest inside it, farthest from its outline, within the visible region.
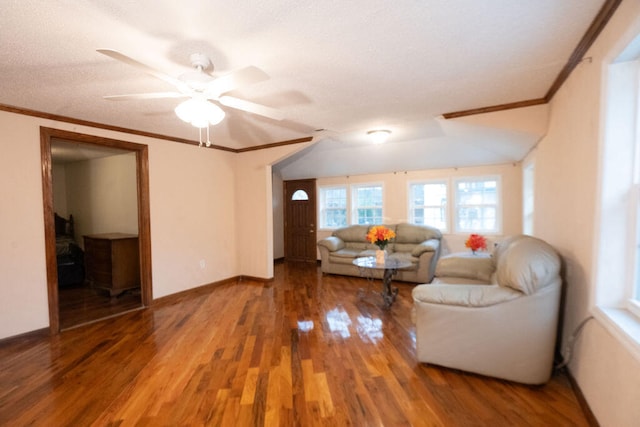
(251, 107)
(150, 95)
(143, 67)
(234, 80)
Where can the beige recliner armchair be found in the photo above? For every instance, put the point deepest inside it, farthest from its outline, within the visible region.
(492, 316)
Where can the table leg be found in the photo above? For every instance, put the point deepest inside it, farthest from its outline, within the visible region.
(389, 293)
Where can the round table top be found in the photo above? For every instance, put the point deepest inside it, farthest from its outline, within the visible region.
(370, 262)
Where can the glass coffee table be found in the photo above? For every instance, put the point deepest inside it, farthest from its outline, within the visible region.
(368, 266)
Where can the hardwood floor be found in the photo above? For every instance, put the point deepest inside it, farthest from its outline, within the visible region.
(80, 304)
(303, 350)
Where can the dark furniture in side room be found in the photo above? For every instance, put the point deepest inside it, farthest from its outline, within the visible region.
(112, 261)
(69, 255)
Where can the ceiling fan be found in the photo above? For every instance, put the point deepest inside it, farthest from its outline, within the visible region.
(201, 88)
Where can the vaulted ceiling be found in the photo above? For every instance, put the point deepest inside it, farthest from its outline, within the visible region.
(336, 70)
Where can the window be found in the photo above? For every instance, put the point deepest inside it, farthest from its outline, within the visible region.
(527, 198)
(477, 204)
(366, 204)
(428, 204)
(633, 294)
(617, 289)
(300, 195)
(333, 207)
(620, 194)
(365, 208)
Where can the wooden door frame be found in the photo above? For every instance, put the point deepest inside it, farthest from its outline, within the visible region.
(144, 228)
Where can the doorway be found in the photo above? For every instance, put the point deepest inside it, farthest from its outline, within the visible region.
(88, 143)
(300, 220)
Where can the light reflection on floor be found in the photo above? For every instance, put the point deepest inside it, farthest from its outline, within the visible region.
(339, 321)
(305, 325)
(368, 329)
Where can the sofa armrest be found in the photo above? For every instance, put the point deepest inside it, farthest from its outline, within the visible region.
(430, 245)
(477, 268)
(332, 243)
(463, 295)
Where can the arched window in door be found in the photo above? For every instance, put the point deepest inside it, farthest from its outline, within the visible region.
(300, 195)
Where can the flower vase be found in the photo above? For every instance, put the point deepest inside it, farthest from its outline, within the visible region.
(381, 255)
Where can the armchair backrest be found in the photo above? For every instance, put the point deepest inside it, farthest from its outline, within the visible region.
(526, 264)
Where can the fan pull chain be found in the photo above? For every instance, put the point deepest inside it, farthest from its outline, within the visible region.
(202, 142)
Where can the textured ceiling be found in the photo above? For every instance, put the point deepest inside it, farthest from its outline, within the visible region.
(345, 67)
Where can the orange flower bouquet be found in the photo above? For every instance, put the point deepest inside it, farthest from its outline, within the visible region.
(380, 235)
(476, 242)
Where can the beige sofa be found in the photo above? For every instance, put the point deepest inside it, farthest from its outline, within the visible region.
(418, 244)
(493, 316)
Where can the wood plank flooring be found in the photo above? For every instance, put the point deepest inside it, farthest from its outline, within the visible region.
(81, 304)
(303, 350)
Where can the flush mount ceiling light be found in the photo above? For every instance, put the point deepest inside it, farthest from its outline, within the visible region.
(379, 136)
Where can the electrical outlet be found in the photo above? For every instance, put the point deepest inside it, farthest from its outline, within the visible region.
(202, 264)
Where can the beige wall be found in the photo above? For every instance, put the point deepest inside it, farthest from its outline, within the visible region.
(23, 276)
(102, 195)
(192, 216)
(566, 190)
(216, 207)
(59, 173)
(194, 197)
(278, 216)
(396, 203)
(254, 208)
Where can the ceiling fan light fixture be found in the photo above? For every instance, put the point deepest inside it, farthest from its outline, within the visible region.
(379, 136)
(199, 113)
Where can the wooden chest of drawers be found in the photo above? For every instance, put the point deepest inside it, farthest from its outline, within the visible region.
(112, 261)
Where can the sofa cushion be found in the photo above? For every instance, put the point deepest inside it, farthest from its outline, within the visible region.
(456, 280)
(353, 233)
(527, 265)
(345, 253)
(464, 295)
(409, 233)
(332, 243)
(470, 267)
(369, 252)
(358, 246)
(404, 247)
(427, 246)
(405, 256)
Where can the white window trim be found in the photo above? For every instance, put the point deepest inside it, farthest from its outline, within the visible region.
(614, 252)
(447, 207)
(499, 204)
(528, 216)
(320, 189)
(353, 210)
(623, 325)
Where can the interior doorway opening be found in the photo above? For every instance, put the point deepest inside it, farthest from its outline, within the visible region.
(97, 233)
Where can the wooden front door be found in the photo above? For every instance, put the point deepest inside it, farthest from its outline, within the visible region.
(300, 220)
